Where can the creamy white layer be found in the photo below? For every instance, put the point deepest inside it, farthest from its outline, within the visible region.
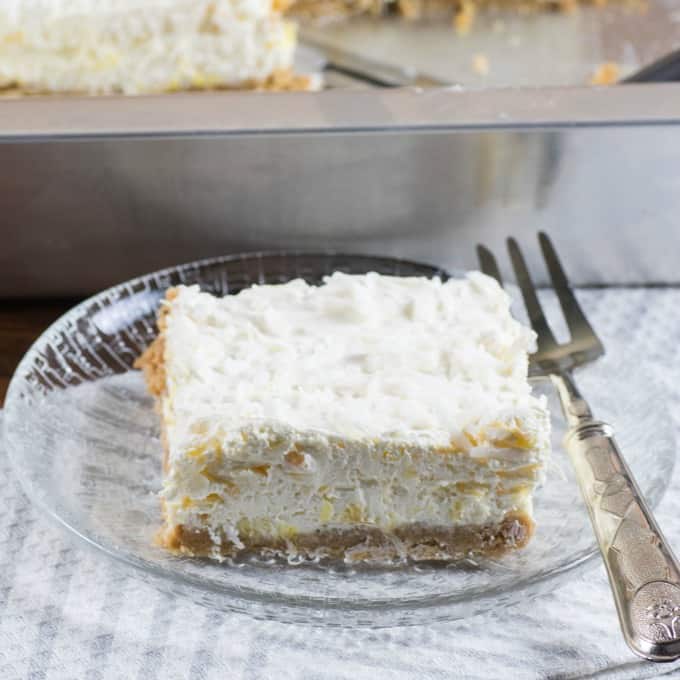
(132, 46)
(367, 400)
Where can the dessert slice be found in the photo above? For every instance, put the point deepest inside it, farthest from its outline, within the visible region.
(137, 46)
(371, 417)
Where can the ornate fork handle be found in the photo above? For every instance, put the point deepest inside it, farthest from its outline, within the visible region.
(643, 572)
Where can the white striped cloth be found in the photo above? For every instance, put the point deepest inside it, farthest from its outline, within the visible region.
(68, 613)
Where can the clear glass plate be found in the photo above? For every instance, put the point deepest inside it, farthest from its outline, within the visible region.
(82, 436)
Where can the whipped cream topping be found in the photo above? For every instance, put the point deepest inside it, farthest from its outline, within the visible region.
(133, 46)
(360, 356)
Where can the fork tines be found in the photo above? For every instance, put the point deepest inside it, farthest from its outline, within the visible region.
(584, 344)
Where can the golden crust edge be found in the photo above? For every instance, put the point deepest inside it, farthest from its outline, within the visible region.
(283, 80)
(152, 364)
(415, 541)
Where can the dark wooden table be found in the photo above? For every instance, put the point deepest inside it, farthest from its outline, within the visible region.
(21, 322)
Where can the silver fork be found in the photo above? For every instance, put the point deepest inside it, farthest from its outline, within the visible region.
(643, 572)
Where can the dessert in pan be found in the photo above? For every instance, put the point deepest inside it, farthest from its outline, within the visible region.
(369, 418)
(145, 46)
(154, 46)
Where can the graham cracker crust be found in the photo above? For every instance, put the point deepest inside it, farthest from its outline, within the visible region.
(152, 359)
(416, 542)
(283, 80)
(152, 363)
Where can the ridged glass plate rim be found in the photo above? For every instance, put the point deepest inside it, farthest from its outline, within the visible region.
(294, 608)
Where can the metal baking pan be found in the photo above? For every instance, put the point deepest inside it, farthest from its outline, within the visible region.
(97, 190)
